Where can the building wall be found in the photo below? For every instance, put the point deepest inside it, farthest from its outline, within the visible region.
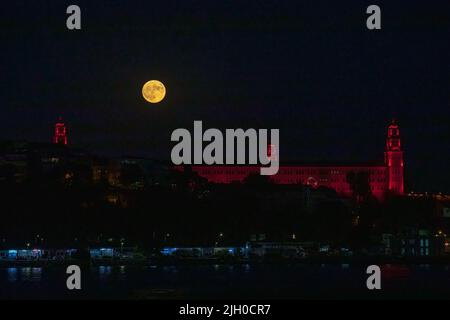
(331, 177)
(382, 179)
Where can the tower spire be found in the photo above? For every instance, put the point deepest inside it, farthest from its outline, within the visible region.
(394, 158)
(60, 136)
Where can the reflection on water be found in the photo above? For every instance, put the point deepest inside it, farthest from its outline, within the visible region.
(36, 274)
(251, 281)
(12, 274)
(170, 269)
(104, 272)
(122, 269)
(122, 273)
(24, 274)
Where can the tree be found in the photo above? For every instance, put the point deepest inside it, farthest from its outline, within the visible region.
(359, 184)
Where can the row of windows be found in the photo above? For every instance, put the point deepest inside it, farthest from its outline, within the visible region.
(227, 172)
(281, 172)
(327, 172)
(337, 188)
(289, 180)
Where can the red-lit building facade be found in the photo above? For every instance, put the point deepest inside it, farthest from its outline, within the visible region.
(383, 178)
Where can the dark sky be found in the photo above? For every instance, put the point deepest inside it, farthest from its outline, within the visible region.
(309, 68)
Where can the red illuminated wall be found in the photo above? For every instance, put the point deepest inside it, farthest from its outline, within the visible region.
(383, 178)
(331, 177)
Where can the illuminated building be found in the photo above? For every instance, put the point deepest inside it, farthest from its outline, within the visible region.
(60, 136)
(394, 159)
(382, 178)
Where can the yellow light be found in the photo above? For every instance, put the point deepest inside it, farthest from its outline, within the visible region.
(153, 91)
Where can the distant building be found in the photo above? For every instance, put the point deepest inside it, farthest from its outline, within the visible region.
(413, 242)
(381, 178)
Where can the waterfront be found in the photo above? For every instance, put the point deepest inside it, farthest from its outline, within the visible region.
(300, 281)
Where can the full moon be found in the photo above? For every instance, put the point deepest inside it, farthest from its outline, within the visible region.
(153, 91)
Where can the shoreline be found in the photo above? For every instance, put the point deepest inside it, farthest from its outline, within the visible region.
(203, 262)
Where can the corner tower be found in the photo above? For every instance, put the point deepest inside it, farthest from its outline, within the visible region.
(394, 159)
(60, 136)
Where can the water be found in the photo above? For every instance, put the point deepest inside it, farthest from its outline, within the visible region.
(226, 282)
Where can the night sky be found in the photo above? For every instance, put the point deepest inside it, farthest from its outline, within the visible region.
(309, 68)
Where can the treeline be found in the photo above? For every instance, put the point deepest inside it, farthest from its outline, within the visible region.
(55, 213)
